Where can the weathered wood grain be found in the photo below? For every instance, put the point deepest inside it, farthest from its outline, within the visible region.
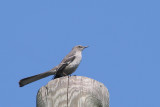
(74, 91)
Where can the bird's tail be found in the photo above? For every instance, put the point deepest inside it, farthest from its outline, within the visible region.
(28, 80)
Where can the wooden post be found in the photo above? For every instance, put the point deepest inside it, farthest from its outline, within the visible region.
(74, 91)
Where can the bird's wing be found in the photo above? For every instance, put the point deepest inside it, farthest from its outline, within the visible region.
(63, 64)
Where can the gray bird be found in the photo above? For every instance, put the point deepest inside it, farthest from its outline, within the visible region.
(68, 65)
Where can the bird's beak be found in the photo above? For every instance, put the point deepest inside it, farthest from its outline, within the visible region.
(86, 46)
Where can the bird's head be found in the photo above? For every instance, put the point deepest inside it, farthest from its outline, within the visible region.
(79, 47)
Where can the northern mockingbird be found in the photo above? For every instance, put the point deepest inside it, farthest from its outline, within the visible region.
(68, 65)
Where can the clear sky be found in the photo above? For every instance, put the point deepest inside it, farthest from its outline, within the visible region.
(124, 52)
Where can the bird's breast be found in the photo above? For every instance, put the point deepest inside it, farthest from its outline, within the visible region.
(73, 65)
(75, 62)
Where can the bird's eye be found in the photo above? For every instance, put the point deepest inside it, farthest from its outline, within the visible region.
(79, 46)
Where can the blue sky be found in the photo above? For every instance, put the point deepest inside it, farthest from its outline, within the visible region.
(124, 52)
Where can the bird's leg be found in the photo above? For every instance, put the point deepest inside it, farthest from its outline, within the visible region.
(72, 75)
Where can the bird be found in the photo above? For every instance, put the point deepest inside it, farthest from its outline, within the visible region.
(67, 66)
